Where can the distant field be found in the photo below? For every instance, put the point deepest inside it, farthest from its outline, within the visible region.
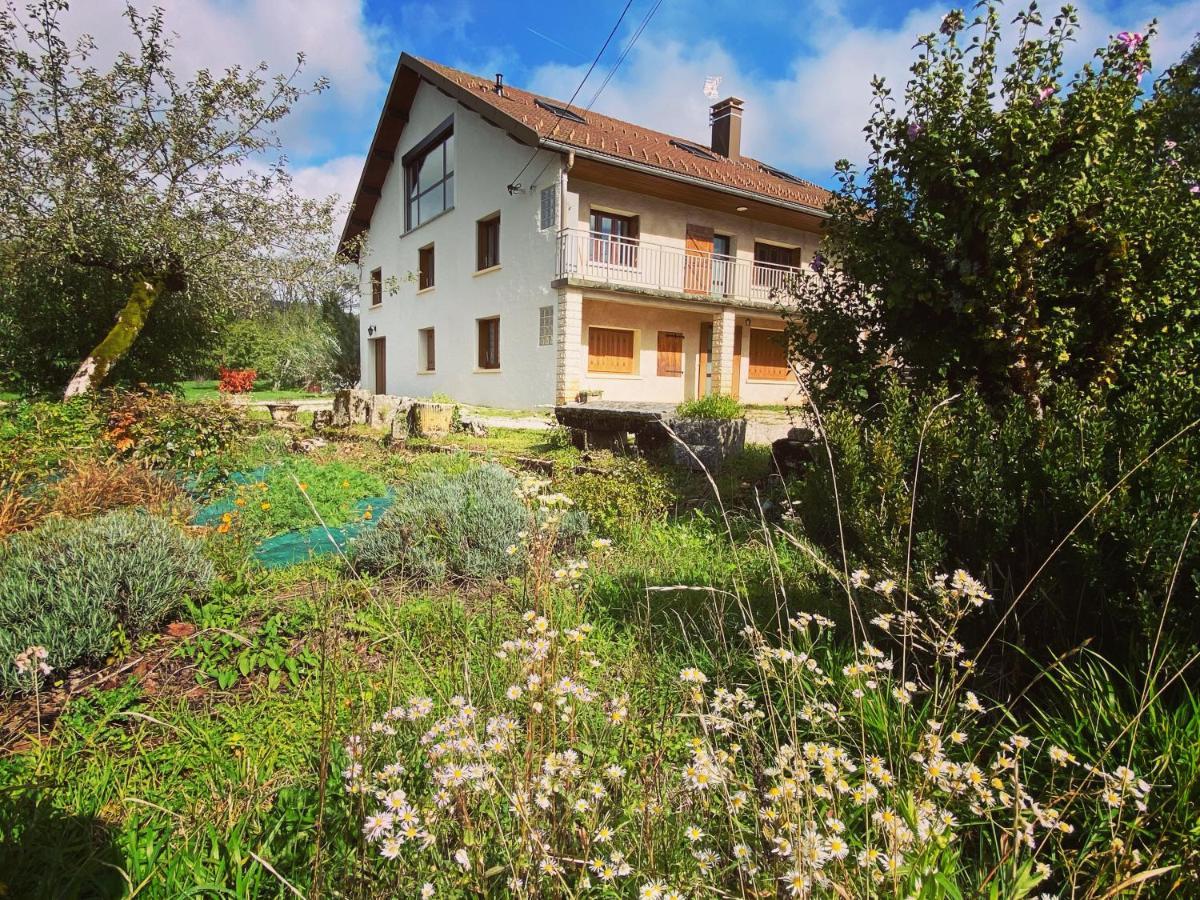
(207, 390)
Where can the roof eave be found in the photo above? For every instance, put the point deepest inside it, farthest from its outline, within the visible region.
(685, 178)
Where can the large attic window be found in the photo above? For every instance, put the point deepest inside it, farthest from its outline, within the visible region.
(561, 111)
(693, 149)
(429, 176)
(779, 173)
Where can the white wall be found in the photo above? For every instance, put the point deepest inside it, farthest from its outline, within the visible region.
(487, 160)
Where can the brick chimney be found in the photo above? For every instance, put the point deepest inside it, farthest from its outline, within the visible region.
(726, 121)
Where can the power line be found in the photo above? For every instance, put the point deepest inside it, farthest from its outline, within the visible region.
(611, 72)
(512, 187)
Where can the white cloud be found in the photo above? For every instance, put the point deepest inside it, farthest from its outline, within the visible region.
(334, 35)
(815, 113)
(334, 176)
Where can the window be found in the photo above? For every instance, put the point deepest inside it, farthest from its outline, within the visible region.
(694, 150)
(489, 343)
(376, 287)
(779, 173)
(425, 267)
(429, 176)
(545, 326)
(614, 239)
(561, 111)
(670, 354)
(771, 263)
(426, 353)
(610, 350)
(549, 216)
(487, 243)
(768, 355)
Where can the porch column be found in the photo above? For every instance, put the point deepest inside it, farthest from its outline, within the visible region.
(724, 327)
(570, 352)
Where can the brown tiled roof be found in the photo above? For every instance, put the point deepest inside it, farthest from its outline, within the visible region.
(626, 141)
(517, 112)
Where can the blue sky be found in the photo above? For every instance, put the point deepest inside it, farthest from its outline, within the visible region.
(803, 66)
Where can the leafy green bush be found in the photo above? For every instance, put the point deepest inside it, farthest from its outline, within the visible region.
(710, 406)
(36, 438)
(291, 347)
(162, 430)
(276, 503)
(452, 525)
(72, 586)
(632, 494)
(998, 490)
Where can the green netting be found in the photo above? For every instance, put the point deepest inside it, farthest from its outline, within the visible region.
(301, 544)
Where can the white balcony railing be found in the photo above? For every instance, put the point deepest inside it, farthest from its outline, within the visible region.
(625, 262)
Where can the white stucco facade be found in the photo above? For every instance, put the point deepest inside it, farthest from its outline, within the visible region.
(541, 365)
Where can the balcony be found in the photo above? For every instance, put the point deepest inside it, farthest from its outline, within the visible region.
(605, 260)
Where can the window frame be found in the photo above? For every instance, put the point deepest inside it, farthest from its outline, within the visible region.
(613, 248)
(762, 266)
(376, 287)
(427, 350)
(487, 225)
(545, 326)
(426, 279)
(548, 202)
(435, 141)
(482, 361)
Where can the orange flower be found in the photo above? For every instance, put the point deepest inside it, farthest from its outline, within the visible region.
(240, 501)
(227, 518)
(367, 514)
(303, 486)
(223, 528)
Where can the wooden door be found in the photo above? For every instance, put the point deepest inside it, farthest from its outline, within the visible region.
(697, 271)
(379, 348)
(704, 379)
(737, 362)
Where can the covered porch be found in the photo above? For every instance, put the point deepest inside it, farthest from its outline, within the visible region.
(622, 347)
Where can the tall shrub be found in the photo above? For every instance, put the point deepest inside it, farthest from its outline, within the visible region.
(1015, 225)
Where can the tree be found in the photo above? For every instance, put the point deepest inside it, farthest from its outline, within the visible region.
(1011, 228)
(127, 173)
(1180, 97)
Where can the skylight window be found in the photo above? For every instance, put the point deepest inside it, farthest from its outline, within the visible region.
(693, 149)
(561, 111)
(779, 173)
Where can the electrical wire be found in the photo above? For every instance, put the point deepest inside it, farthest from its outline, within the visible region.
(514, 185)
(611, 72)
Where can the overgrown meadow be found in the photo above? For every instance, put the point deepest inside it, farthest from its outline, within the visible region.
(616, 680)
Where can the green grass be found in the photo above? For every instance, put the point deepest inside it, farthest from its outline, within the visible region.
(195, 391)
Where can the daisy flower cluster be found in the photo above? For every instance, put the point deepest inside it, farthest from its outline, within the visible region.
(814, 769)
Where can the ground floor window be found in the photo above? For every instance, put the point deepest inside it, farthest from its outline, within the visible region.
(545, 326)
(610, 350)
(768, 355)
(426, 355)
(670, 354)
(489, 343)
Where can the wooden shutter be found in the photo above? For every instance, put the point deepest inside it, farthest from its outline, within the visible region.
(379, 345)
(768, 355)
(610, 350)
(670, 354)
(698, 264)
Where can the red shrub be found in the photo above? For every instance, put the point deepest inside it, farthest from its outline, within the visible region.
(236, 381)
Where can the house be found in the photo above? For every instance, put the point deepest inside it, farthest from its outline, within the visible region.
(516, 252)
